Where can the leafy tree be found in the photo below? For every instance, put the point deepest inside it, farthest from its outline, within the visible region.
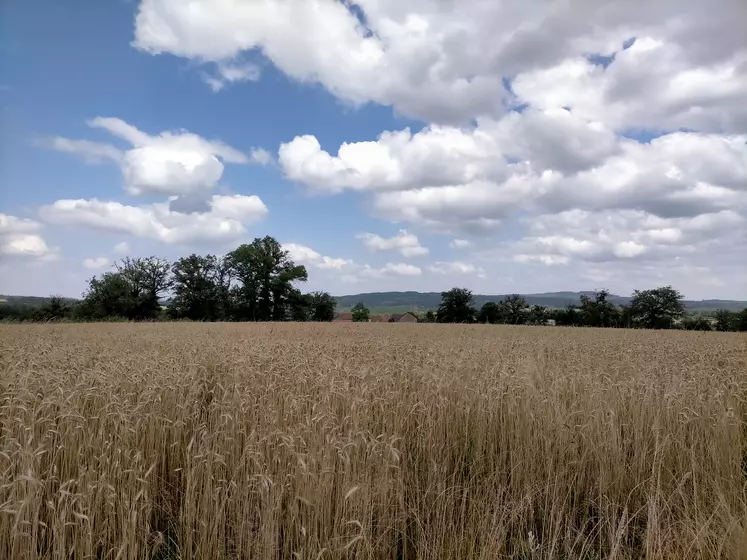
(265, 276)
(456, 306)
(430, 317)
(361, 314)
(56, 307)
(298, 306)
(599, 311)
(569, 316)
(490, 313)
(148, 279)
(537, 315)
(740, 322)
(110, 295)
(657, 308)
(200, 288)
(514, 309)
(322, 306)
(725, 320)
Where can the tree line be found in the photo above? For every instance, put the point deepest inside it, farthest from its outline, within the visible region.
(658, 308)
(258, 281)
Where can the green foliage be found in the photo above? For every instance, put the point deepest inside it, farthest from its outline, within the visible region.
(657, 308)
(361, 313)
(726, 320)
(490, 313)
(457, 306)
(538, 315)
(322, 306)
(201, 288)
(264, 277)
(599, 311)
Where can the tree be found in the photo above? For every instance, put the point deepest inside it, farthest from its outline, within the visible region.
(56, 307)
(740, 322)
(361, 314)
(265, 276)
(657, 308)
(490, 313)
(148, 280)
(111, 295)
(569, 316)
(322, 306)
(725, 320)
(514, 309)
(599, 312)
(298, 306)
(456, 306)
(199, 288)
(537, 315)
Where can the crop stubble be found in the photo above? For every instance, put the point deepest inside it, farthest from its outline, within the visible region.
(371, 441)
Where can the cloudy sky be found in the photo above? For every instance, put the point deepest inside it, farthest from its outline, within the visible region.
(500, 145)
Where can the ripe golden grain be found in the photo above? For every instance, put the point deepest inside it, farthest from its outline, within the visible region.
(371, 441)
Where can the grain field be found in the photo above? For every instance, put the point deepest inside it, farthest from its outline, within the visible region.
(375, 441)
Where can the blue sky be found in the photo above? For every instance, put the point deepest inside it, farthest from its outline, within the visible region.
(296, 119)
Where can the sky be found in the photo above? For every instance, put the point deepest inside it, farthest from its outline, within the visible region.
(503, 146)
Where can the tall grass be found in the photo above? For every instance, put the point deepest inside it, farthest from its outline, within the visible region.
(371, 441)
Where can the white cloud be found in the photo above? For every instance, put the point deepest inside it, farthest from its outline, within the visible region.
(457, 268)
(619, 235)
(21, 238)
(95, 263)
(260, 156)
(460, 244)
(401, 269)
(91, 152)
(230, 72)
(122, 248)
(405, 243)
(347, 269)
(225, 220)
(170, 164)
(442, 61)
(301, 254)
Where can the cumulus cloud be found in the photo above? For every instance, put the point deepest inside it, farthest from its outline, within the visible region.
(95, 263)
(21, 238)
(442, 61)
(172, 163)
(406, 244)
(607, 236)
(617, 137)
(226, 219)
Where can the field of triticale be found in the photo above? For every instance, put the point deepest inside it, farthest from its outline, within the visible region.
(371, 441)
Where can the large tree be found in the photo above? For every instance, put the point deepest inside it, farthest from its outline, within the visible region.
(148, 278)
(456, 306)
(110, 295)
(598, 311)
(490, 313)
(265, 276)
(200, 288)
(322, 306)
(657, 308)
(514, 309)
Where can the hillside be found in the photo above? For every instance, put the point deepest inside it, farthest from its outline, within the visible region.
(383, 302)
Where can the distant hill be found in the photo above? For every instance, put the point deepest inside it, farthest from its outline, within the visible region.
(391, 302)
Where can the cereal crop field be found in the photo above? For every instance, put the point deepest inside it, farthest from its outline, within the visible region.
(238, 441)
